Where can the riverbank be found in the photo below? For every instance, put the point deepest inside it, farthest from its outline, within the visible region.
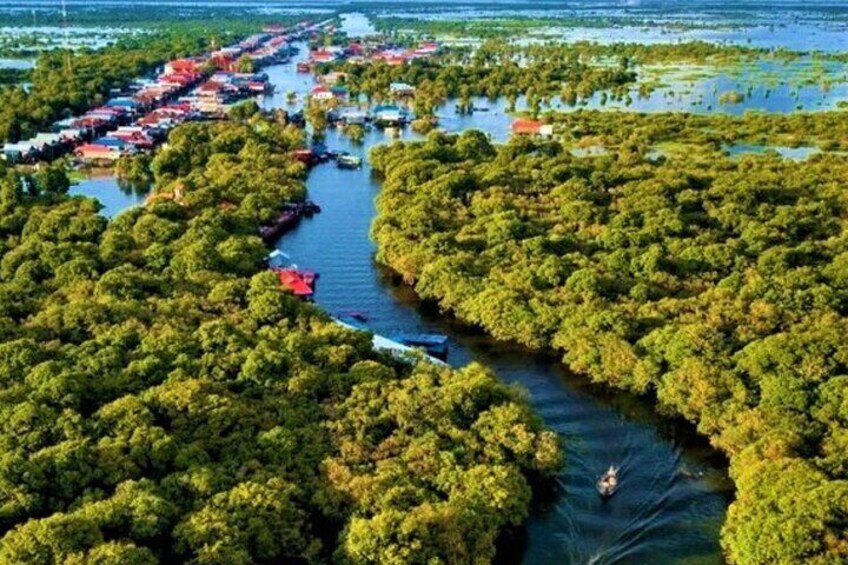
(673, 481)
(675, 489)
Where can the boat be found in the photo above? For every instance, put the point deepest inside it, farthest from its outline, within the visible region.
(320, 151)
(434, 344)
(390, 116)
(287, 219)
(308, 276)
(608, 483)
(357, 315)
(310, 208)
(347, 161)
(307, 157)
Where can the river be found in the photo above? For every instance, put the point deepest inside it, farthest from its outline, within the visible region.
(674, 488)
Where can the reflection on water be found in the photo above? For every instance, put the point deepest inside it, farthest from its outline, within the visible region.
(18, 64)
(796, 26)
(674, 488)
(794, 153)
(767, 86)
(114, 195)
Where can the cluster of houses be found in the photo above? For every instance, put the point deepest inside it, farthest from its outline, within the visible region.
(383, 115)
(359, 52)
(139, 116)
(332, 86)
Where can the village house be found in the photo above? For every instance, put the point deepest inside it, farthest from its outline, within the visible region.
(321, 92)
(525, 126)
(401, 89)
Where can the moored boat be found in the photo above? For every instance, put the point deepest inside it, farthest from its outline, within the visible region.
(347, 161)
(287, 218)
(434, 344)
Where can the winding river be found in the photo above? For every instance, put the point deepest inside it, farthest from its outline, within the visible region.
(674, 490)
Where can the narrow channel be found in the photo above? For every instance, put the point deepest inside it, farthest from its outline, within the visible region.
(674, 490)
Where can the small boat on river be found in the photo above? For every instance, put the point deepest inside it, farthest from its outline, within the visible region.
(347, 161)
(434, 344)
(288, 217)
(355, 315)
(608, 483)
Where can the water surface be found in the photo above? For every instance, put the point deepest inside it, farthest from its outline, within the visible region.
(114, 196)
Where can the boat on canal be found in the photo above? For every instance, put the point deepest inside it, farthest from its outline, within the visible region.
(608, 483)
(435, 345)
(288, 217)
(348, 161)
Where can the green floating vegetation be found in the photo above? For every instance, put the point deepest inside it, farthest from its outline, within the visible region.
(731, 97)
(165, 400)
(718, 285)
(519, 27)
(494, 69)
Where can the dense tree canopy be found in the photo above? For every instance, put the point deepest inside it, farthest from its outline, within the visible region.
(715, 283)
(164, 400)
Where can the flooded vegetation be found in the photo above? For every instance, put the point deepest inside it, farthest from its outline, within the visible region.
(622, 225)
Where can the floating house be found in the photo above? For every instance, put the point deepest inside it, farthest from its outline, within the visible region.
(353, 116)
(322, 56)
(274, 29)
(22, 152)
(525, 126)
(178, 66)
(391, 57)
(340, 92)
(355, 49)
(98, 153)
(389, 115)
(300, 282)
(333, 78)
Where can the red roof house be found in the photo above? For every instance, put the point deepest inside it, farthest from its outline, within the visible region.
(182, 66)
(293, 280)
(525, 126)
